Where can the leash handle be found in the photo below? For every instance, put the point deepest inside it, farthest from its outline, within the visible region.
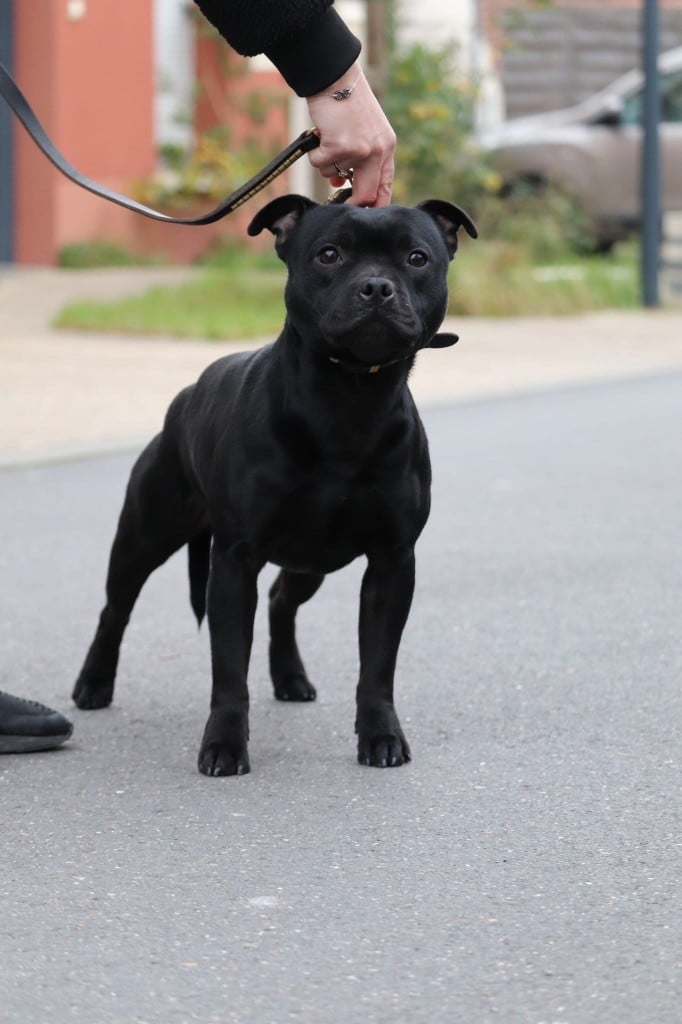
(19, 105)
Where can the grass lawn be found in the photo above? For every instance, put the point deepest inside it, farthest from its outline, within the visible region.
(216, 305)
(497, 279)
(239, 295)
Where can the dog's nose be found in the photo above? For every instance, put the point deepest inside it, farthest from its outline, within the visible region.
(377, 289)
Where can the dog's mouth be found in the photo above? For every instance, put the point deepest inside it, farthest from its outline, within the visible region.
(372, 338)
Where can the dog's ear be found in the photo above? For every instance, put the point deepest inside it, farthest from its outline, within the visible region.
(449, 218)
(443, 340)
(280, 217)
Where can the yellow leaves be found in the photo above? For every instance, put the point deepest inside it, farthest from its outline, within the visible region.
(421, 111)
(210, 172)
(212, 153)
(492, 181)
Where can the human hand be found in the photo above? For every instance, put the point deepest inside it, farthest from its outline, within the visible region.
(354, 133)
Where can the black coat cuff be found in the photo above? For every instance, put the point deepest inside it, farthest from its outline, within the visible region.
(317, 57)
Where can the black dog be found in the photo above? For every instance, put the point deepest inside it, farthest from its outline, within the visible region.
(306, 453)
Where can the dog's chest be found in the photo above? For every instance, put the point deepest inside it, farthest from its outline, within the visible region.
(321, 521)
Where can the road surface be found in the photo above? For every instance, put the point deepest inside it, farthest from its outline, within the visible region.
(522, 869)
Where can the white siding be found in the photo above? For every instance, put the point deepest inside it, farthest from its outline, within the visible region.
(436, 22)
(174, 63)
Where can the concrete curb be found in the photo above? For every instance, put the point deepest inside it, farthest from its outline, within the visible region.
(70, 453)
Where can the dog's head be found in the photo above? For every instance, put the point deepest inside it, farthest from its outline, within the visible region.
(369, 285)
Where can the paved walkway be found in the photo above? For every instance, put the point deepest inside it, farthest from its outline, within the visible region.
(65, 393)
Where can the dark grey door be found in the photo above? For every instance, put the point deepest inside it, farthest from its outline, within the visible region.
(6, 160)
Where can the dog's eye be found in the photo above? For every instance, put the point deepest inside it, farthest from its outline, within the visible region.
(417, 258)
(330, 254)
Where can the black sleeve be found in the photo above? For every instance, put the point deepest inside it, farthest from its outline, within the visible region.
(305, 39)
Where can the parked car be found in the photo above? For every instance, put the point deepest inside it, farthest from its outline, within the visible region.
(592, 150)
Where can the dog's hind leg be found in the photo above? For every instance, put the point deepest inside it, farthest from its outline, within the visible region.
(159, 515)
(289, 677)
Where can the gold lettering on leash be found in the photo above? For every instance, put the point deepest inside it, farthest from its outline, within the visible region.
(259, 186)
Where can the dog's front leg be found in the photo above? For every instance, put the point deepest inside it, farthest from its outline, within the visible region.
(232, 597)
(385, 601)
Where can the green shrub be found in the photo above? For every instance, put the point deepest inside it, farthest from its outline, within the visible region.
(90, 255)
(433, 117)
(546, 225)
(232, 254)
(208, 172)
(437, 156)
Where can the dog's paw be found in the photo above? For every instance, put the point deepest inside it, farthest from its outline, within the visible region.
(295, 687)
(219, 759)
(90, 693)
(223, 748)
(383, 751)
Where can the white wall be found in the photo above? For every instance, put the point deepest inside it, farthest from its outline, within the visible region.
(174, 61)
(436, 22)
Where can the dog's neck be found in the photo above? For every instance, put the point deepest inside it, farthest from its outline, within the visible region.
(338, 402)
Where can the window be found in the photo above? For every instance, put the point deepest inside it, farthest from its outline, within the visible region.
(632, 109)
(671, 101)
(671, 97)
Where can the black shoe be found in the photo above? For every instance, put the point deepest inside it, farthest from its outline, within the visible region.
(26, 725)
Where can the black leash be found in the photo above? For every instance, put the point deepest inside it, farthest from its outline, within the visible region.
(19, 105)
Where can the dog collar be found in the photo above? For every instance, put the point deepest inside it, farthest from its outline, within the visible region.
(440, 341)
(345, 364)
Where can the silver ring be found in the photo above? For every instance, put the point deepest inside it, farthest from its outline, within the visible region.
(341, 173)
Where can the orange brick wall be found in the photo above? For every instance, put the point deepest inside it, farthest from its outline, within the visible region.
(224, 82)
(91, 83)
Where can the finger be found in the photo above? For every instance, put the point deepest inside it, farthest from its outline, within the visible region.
(330, 170)
(373, 183)
(324, 157)
(385, 191)
(366, 179)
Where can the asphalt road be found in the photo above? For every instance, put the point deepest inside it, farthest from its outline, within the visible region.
(522, 869)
